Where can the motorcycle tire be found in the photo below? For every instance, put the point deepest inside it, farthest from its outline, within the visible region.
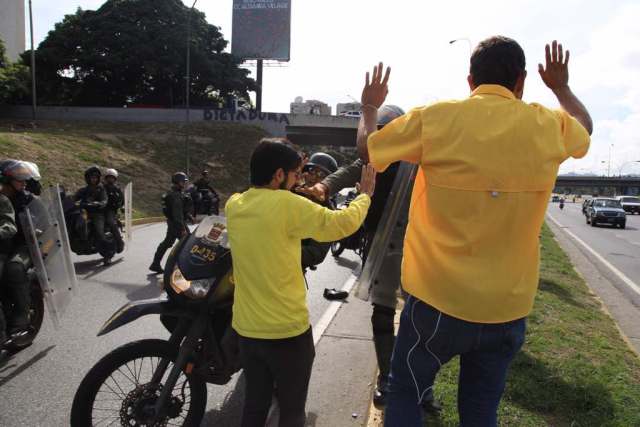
(121, 360)
(337, 248)
(36, 316)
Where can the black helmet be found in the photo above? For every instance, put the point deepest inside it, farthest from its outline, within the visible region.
(388, 113)
(179, 177)
(205, 172)
(92, 171)
(322, 161)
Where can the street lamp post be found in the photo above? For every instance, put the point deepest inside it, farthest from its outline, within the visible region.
(464, 39)
(609, 166)
(33, 66)
(625, 164)
(188, 86)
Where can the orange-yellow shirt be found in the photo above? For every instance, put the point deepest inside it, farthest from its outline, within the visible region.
(488, 165)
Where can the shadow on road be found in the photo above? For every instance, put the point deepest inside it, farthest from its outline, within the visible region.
(21, 368)
(134, 291)
(230, 411)
(93, 267)
(344, 262)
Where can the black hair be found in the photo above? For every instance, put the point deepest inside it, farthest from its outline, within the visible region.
(270, 155)
(497, 60)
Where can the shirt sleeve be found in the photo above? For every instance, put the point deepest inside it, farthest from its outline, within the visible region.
(399, 140)
(576, 138)
(8, 227)
(344, 177)
(309, 220)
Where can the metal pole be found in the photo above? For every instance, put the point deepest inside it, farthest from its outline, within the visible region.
(259, 89)
(188, 88)
(609, 166)
(33, 65)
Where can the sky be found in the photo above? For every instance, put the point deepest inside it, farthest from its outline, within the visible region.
(334, 42)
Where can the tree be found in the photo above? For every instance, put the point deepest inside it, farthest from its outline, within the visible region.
(133, 52)
(14, 80)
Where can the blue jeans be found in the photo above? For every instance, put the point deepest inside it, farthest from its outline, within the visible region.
(427, 339)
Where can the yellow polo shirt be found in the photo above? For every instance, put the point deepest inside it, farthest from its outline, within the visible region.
(488, 165)
(265, 229)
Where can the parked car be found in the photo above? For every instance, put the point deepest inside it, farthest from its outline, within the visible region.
(555, 199)
(630, 204)
(604, 210)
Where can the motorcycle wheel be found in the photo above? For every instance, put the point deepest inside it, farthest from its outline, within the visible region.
(36, 315)
(337, 248)
(116, 390)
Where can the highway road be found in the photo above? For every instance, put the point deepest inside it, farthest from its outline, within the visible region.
(37, 385)
(617, 251)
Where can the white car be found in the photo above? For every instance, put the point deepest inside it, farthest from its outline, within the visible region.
(356, 114)
(630, 204)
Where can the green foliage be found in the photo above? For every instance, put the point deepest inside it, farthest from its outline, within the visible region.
(14, 80)
(134, 51)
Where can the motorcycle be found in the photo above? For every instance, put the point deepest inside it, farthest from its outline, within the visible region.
(205, 201)
(157, 382)
(356, 242)
(82, 235)
(51, 275)
(561, 205)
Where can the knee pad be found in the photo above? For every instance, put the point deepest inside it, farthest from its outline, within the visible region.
(382, 319)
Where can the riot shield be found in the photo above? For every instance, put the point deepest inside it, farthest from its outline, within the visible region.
(377, 252)
(128, 217)
(46, 236)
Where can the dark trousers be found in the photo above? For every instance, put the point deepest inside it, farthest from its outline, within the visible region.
(111, 224)
(173, 234)
(281, 363)
(427, 339)
(98, 220)
(15, 279)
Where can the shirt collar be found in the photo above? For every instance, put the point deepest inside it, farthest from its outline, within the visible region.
(493, 90)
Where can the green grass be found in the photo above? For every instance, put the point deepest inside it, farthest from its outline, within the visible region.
(574, 369)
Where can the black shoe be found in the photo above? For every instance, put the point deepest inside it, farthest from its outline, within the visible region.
(333, 294)
(156, 268)
(4, 355)
(379, 397)
(106, 261)
(119, 247)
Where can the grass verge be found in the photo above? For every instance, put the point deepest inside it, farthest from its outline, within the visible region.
(574, 369)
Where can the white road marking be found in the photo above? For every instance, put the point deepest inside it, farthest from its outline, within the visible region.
(630, 283)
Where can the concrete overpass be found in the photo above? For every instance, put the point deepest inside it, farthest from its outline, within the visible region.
(600, 185)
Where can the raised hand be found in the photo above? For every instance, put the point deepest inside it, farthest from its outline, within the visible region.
(375, 88)
(555, 73)
(367, 182)
(318, 191)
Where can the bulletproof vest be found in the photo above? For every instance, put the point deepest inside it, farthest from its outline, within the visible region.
(384, 183)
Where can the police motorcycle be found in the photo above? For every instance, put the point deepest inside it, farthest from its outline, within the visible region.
(81, 232)
(52, 279)
(154, 382)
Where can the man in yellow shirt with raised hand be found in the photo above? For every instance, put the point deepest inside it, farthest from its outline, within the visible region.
(488, 165)
(266, 225)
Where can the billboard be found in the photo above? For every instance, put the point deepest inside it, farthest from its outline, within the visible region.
(261, 29)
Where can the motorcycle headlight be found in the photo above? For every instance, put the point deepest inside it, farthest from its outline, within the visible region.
(194, 289)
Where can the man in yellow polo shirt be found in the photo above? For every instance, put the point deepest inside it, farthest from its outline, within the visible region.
(471, 254)
(266, 225)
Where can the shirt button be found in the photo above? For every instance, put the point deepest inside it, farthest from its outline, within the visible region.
(494, 194)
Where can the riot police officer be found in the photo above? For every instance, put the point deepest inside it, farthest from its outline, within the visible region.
(14, 177)
(93, 198)
(8, 230)
(176, 205)
(115, 201)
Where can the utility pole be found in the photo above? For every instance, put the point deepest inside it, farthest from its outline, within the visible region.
(33, 66)
(259, 89)
(188, 88)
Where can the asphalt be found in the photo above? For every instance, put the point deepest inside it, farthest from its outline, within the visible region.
(37, 385)
(609, 260)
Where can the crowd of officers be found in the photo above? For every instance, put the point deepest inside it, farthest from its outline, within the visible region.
(20, 183)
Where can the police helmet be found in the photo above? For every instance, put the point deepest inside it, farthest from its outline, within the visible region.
(179, 177)
(322, 161)
(388, 113)
(92, 171)
(15, 170)
(111, 172)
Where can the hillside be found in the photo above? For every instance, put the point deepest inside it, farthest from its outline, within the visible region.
(145, 153)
